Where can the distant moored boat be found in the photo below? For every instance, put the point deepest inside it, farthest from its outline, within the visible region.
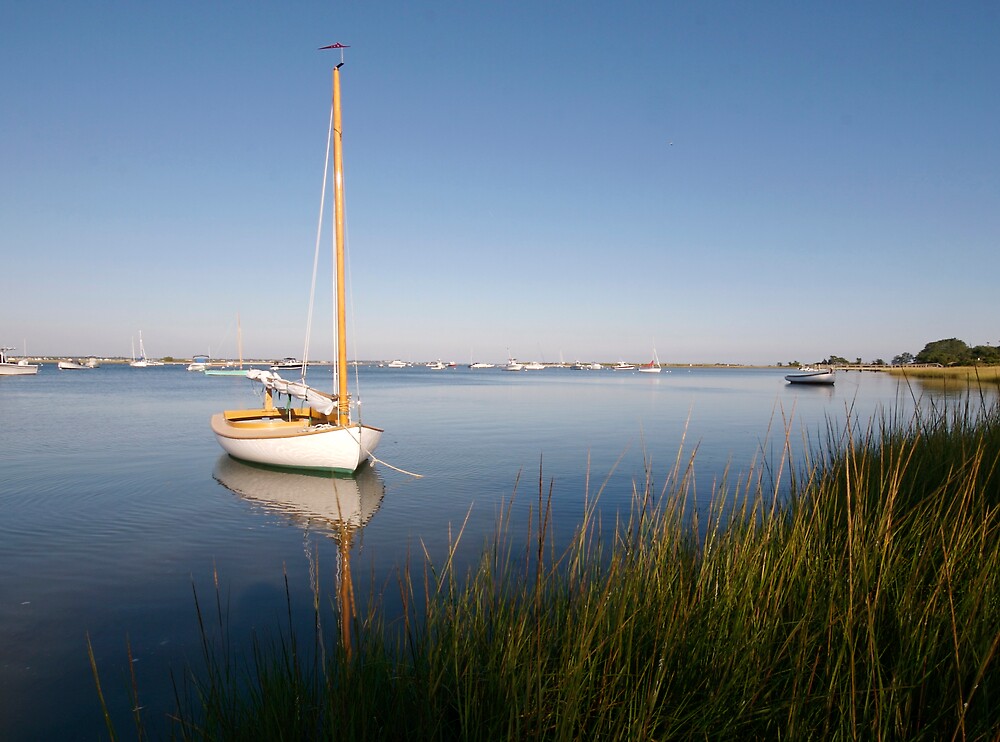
(20, 368)
(809, 375)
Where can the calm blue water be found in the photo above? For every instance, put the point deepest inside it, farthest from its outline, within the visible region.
(111, 514)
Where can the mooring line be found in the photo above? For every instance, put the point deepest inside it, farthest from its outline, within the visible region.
(371, 456)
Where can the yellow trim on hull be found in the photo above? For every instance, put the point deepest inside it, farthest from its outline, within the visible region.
(257, 424)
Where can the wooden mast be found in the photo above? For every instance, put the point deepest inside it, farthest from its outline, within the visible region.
(343, 402)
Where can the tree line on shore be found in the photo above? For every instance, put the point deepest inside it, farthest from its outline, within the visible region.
(947, 352)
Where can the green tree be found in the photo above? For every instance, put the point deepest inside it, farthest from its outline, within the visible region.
(950, 352)
(902, 359)
(986, 354)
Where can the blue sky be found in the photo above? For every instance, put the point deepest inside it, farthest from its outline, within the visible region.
(730, 181)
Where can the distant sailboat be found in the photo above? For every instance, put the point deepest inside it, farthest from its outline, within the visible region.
(320, 434)
(653, 367)
(142, 361)
(239, 349)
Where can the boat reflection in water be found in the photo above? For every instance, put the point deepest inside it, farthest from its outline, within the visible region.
(338, 504)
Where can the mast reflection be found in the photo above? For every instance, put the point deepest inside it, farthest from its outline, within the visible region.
(337, 504)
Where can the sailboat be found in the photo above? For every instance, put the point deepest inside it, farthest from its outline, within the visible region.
(653, 367)
(142, 361)
(239, 349)
(320, 434)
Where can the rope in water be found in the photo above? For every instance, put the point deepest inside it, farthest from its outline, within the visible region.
(372, 458)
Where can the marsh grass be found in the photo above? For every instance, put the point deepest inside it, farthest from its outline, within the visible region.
(967, 375)
(856, 597)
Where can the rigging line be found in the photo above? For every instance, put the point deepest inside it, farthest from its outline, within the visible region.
(371, 457)
(222, 341)
(319, 237)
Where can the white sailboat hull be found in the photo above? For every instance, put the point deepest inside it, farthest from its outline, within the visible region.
(296, 445)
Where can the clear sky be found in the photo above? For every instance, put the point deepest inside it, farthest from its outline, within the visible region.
(730, 181)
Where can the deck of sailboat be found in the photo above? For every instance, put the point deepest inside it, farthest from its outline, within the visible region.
(273, 423)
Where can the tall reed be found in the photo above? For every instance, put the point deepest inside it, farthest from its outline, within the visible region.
(855, 597)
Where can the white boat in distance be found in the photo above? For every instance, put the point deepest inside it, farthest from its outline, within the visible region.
(622, 366)
(534, 366)
(320, 434)
(810, 375)
(287, 364)
(397, 364)
(479, 364)
(9, 367)
(71, 365)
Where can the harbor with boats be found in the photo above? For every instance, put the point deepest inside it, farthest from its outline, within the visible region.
(146, 510)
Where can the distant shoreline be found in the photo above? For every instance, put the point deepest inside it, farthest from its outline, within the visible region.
(921, 371)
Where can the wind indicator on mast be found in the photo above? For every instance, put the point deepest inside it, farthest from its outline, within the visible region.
(338, 45)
